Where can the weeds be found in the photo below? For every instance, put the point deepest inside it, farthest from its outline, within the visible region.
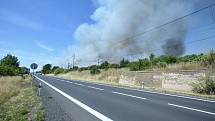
(205, 86)
(17, 99)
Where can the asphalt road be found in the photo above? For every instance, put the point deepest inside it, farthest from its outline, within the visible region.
(119, 104)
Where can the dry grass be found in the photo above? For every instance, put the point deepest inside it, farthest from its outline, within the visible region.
(110, 75)
(180, 67)
(9, 87)
(18, 99)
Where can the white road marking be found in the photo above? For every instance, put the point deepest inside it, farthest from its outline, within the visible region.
(160, 93)
(191, 109)
(79, 84)
(69, 82)
(95, 88)
(129, 95)
(82, 105)
(186, 97)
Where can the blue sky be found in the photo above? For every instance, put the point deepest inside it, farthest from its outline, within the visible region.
(41, 30)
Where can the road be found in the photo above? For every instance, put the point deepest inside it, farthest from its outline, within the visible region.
(119, 104)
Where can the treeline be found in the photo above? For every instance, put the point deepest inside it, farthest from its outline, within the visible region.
(9, 66)
(207, 60)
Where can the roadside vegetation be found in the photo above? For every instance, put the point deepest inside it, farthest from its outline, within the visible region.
(18, 99)
(9, 66)
(110, 72)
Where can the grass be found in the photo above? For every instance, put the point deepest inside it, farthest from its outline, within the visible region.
(18, 100)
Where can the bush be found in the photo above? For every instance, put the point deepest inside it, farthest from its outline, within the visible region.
(59, 71)
(207, 86)
(209, 61)
(142, 64)
(94, 71)
(161, 65)
(7, 71)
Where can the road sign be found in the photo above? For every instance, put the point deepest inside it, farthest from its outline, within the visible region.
(34, 66)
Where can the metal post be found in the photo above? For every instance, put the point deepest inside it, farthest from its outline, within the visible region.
(142, 85)
(39, 89)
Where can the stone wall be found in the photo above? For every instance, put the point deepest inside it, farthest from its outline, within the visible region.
(182, 80)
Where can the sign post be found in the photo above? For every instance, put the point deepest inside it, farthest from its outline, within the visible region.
(33, 66)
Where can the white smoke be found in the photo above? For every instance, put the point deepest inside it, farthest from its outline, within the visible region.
(116, 22)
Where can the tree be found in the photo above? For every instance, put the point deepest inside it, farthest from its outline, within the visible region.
(59, 71)
(24, 70)
(124, 63)
(54, 68)
(10, 61)
(104, 65)
(141, 64)
(151, 56)
(47, 68)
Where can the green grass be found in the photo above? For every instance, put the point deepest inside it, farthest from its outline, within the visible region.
(18, 101)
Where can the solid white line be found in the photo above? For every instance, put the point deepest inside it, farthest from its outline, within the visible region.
(79, 84)
(129, 95)
(160, 93)
(191, 108)
(82, 105)
(95, 88)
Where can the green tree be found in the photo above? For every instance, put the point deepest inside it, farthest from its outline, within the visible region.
(151, 57)
(7, 71)
(54, 68)
(46, 69)
(10, 61)
(105, 65)
(59, 71)
(123, 63)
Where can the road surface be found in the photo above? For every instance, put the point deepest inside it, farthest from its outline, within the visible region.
(118, 104)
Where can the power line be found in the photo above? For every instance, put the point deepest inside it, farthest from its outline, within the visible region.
(153, 50)
(162, 25)
(170, 22)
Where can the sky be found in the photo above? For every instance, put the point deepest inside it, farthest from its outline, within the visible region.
(41, 31)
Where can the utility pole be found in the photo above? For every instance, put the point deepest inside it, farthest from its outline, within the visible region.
(98, 61)
(73, 61)
(68, 66)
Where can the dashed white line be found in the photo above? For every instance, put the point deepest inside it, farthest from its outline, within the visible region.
(95, 88)
(129, 95)
(153, 92)
(193, 109)
(79, 84)
(82, 105)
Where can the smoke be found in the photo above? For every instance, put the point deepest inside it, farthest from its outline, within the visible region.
(112, 35)
(173, 47)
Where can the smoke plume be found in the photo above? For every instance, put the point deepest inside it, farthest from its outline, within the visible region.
(173, 47)
(117, 27)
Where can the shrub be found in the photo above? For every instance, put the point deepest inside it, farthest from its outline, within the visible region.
(209, 61)
(59, 71)
(94, 71)
(161, 65)
(142, 64)
(207, 86)
(7, 71)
